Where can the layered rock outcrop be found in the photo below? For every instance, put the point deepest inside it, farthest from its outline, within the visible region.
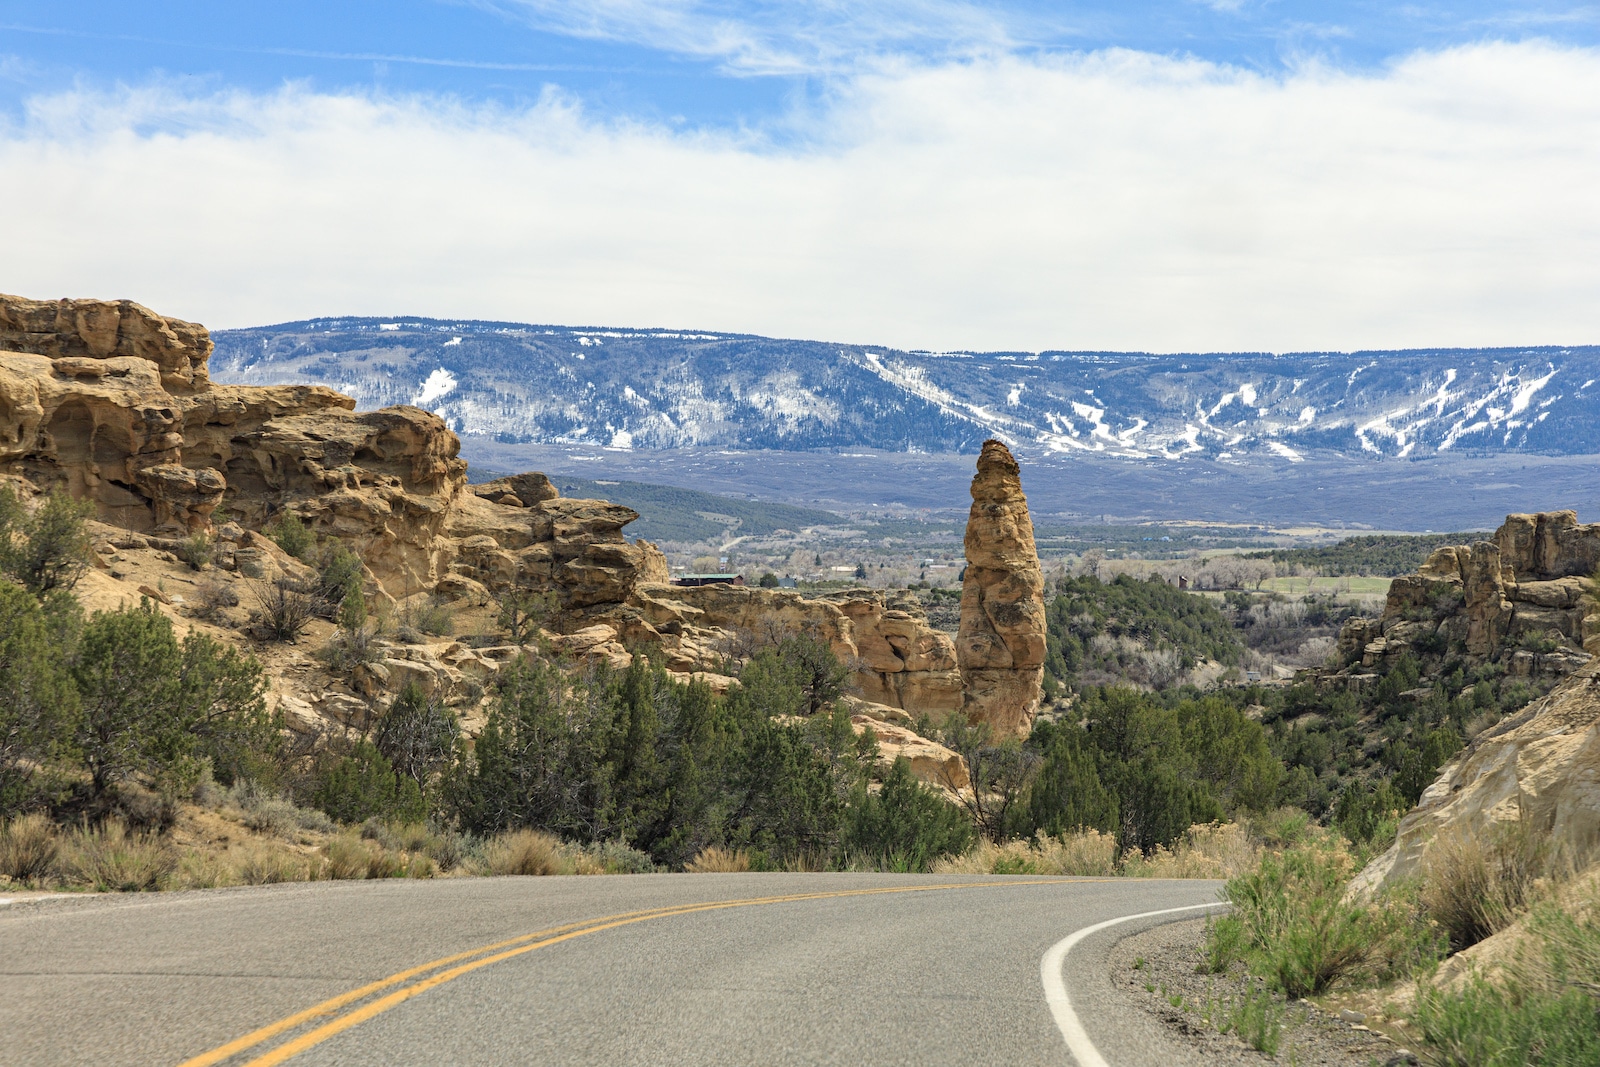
(1001, 643)
(112, 403)
(895, 657)
(1523, 597)
(1541, 767)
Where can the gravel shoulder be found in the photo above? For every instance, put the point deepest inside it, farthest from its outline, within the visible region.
(1155, 970)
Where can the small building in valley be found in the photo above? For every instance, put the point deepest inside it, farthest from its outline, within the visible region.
(708, 579)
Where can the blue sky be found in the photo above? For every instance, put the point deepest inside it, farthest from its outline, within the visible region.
(700, 63)
(928, 173)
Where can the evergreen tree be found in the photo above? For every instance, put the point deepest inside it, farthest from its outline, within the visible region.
(38, 704)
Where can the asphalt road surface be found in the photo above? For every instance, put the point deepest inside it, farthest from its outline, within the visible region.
(645, 969)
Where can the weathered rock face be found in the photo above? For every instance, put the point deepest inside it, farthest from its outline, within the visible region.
(1542, 767)
(896, 658)
(112, 403)
(573, 549)
(1001, 644)
(79, 332)
(1527, 586)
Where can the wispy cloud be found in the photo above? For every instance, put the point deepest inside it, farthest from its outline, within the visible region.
(787, 36)
(1117, 200)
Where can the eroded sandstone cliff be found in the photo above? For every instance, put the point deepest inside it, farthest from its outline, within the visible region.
(1523, 599)
(112, 403)
(1001, 644)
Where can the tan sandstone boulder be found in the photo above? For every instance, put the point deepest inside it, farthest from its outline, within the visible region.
(930, 761)
(1001, 644)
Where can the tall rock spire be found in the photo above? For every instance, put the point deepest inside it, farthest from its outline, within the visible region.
(1001, 645)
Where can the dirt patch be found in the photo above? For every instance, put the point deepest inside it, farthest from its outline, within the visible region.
(1156, 970)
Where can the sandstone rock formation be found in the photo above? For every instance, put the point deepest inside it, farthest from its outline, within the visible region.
(1542, 767)
(1001, 644)
(1523, 597)
(112, 403)
(895, 657)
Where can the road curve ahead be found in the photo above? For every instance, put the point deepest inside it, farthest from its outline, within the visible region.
(645, 969)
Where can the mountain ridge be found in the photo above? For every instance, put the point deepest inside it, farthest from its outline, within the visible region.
(655, 388)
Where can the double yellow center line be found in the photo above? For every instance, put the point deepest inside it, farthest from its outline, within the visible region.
(406, 984)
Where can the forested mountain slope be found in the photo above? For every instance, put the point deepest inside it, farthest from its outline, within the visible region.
(652, 389)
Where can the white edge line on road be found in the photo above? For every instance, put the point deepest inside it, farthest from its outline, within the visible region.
(1055, 988)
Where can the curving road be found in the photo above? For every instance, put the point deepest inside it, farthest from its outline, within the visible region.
(648, 969)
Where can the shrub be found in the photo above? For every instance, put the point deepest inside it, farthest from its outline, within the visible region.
(153, 706)
(1088, 853)
(195, 550)
(1478, 885)
(212, 596)
(28, 848)
(905, 826)
(355, 787)
(1257, 1018)
(718, 861)
(339, 583)
(417, 735)
(1211, 851)
(276, 817)
(612, 857)
(523, 610)
(347, 858)
(1224, 944)
(48, 549)
(285, 608)
(109, 858)
(38, 704)
(281, 817)
(293, 536)
(1302, 934)
(525, 852)
(1543, 1011)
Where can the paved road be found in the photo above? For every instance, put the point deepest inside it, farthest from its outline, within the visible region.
(837, 976)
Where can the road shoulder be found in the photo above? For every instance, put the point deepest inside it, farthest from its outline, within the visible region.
(1155, 972)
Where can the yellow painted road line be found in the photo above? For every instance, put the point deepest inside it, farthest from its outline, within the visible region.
(329, 1007)
(524, 944)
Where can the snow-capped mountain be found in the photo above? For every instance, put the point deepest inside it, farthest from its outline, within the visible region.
(655, 389)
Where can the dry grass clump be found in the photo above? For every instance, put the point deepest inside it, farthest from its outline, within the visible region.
(351, 857)
(202, 870)
(28, 848)
(526, 852)
(1088, 853)
(261, 864)
(1217, 850)
(718, 861)
(1479, 884)
(110, 858)
(1206, 851)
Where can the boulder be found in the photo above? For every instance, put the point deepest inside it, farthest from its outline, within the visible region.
(1000, 647)
(930, 761)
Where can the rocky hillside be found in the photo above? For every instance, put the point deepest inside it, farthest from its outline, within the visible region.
(1524, 602)
(654, 389)
(193, 485)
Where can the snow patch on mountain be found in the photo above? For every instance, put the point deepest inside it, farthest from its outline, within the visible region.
(438, 384)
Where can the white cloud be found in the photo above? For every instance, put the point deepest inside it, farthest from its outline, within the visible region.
(1113, 200)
